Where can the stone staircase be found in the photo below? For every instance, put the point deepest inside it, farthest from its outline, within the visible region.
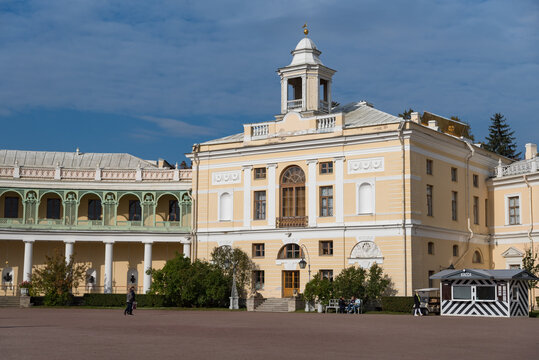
(273, 305)
(10, 301)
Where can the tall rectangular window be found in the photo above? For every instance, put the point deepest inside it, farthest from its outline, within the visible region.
(173, 210)
(454, 174)
(476, 210)
(429, 166)
(53, 208)
(326, 247)
(260, 173)
(326, 167)
(260, 205)
(135, 212)
(514, 210)
(429, 200)
(11, 207)
(258, 250)
(454, 205)
(431, 282)
(475, 178)
(94, 209)
(258, 279)
(326, 201)
(326, 274)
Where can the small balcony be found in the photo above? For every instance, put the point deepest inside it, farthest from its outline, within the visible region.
(324, 106)
(292, 221)
(295, 104)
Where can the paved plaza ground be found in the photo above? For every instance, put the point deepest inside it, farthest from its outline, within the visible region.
(45, 333)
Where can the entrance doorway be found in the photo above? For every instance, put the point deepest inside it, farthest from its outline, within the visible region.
(290, 283)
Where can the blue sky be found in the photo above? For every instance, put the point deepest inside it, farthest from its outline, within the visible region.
(153, 77)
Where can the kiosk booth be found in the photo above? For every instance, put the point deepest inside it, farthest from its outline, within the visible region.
(478, 292)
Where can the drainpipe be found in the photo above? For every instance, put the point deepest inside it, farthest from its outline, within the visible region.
(194, 227)
(401, 139)
(466, 196)
(530, 230)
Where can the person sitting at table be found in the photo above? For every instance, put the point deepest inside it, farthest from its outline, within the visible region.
(342, 305)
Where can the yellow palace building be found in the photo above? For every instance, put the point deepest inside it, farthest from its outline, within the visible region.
(352, 185)
(338, 186)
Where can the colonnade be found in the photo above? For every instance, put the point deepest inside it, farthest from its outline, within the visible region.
(109, 250)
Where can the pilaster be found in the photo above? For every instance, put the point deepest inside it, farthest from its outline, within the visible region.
(339, 190)
(271, 198)
(311, 186)
(247, 195)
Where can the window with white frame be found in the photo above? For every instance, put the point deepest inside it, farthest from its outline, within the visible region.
(462, 293)
(225, 207)
(513, 210)
(365, 198)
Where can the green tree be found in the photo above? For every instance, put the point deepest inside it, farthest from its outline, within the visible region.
(350, 282)
(377, 285)
(319, 289)
(500, 138)
(530, 263)
(57, 279)
(228, 258)
(406, 114)
(183, 283)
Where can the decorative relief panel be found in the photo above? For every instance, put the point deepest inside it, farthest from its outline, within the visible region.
(366, 253)
(360, 166)
(226, 177)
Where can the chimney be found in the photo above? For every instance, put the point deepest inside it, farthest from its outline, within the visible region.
(433, 124)
(414, 117)
(531, 151)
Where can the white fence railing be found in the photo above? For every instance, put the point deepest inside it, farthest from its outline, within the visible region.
(517, 168)
(295, 104)
(259, 130)
(325, 124)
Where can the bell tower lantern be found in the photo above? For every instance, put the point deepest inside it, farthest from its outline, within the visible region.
(306, 82)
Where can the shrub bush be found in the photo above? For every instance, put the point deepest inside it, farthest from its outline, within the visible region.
(397, 303)
(143, 300)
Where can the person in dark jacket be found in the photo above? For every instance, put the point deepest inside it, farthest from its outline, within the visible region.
(342, 305)
(130, 301)
(417, 304)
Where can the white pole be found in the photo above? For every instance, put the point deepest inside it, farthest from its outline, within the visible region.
(28, 252)
(147, 266)
(187, 250)
(108, 268)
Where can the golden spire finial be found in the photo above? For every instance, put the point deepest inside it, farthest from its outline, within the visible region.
(305, 30)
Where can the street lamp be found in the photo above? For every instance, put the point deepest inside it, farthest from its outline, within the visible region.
(302, 264)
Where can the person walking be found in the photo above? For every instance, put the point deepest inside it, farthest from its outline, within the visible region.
(130, 301)
(417, 304)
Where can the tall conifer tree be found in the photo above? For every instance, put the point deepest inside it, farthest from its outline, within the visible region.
(500, 138)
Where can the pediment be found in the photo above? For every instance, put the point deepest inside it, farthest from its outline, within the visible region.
(512, 252)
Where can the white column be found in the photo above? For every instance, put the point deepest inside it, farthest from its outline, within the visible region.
(311, 186)
(304, 92)
(69, 250)
(108, 267)
(284, 96)
(247, 195)
(339, 190)
(271, 198)
(187, 250)
(329, 97)
(147, 266)
(28, 254)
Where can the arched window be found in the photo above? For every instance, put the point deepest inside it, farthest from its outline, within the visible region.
(477, 258)
(366, 198)
(430, 248)
(225, 207)
(293, 192)
(455, 250)
(290, 251)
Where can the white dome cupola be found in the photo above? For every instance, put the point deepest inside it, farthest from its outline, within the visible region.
(306, 82)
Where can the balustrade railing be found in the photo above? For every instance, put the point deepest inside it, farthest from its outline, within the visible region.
(129, 223)
(259, 130)
(295, 104)
(325, 124)
(11, 221)
(292, 221)
(90, 222)
(167, 223)
(50, 221)
(517, 168)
